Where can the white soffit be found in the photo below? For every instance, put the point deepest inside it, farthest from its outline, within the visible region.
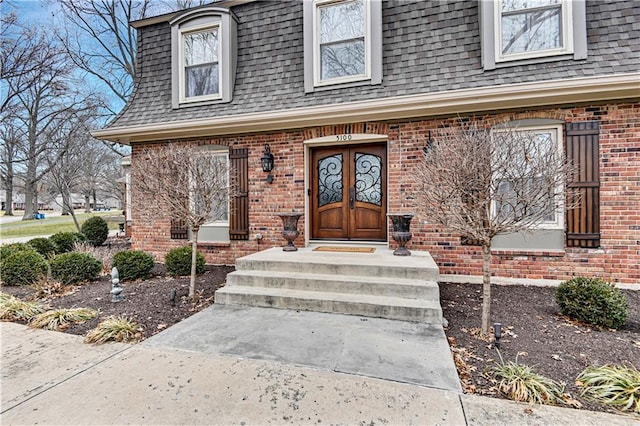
(511, 96)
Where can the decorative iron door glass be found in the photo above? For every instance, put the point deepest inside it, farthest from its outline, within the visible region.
(348, 200)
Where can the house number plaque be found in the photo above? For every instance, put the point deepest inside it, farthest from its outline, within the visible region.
(342, 138)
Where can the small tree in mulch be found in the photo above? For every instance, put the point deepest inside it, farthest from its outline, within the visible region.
(480, 183)
(191, 182)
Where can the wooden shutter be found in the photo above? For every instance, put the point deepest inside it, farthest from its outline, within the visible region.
(583, 222)
(239, 214)
(179, 230)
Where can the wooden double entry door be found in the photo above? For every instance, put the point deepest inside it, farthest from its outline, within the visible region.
(348, 192)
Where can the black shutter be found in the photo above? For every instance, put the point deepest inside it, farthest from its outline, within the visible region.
(583, 222)
(179, 230)
(239, 214)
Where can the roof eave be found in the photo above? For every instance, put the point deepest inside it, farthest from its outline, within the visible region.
(494, 98)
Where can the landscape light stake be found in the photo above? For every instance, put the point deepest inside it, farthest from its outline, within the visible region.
(497, 334)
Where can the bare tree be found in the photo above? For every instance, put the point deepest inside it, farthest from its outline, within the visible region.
(190, 181)
(25, 58)
(100, 42)
(481, 183)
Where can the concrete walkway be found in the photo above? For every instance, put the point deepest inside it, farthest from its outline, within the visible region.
(54, 378)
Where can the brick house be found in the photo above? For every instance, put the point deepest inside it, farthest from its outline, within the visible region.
(332, 85)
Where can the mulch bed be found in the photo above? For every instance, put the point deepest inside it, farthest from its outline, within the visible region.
(147, 302)
(534, 331)
(555, 346)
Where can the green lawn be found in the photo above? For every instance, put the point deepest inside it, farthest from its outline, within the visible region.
(49, 226)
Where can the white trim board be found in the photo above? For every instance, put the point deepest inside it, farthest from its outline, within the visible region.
(493, 98)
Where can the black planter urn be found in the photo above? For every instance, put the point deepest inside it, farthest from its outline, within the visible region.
(290, 229)
(401, 232)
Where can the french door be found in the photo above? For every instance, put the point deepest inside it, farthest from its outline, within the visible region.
(348, 192)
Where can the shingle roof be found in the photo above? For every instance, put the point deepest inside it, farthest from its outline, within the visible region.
(428, 46)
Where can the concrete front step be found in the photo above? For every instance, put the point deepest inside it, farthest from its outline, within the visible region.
(419, 310)
(381, 263)
(380, 286)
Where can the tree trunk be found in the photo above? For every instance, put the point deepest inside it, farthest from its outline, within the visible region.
(29, 193)
(8, 205)
(95, 200)
(67, 203)
(194, 257)
(87, 203)
(486, 288)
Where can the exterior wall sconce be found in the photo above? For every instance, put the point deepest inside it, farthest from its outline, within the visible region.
(267, 162)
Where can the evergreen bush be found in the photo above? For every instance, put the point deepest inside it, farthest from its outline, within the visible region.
(133, 264)
(96, 230)
(178, 261)
(64, 241)
(44, 246)
(592, 300)
(9, 249)
(73, 268)
(23, 267)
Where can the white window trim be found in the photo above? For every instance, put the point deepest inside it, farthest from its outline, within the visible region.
(183, 99)
(317, 81)
(559, 211)
(567, 36)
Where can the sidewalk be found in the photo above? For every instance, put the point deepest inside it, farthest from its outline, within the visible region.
(54, 378)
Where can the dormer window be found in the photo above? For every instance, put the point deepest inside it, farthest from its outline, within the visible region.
(342, 43)
(200, 70)
(203, 57)
(530, 31)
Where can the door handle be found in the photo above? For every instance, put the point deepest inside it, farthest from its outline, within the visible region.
(352, 196)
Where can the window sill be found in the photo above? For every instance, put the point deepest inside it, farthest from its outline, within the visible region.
(187, 104)
(214, 244)
(532, 252)
(531, 61)
(345, 85)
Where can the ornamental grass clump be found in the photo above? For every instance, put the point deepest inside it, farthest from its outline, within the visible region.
(14, 309)
(593, 301)
(60, 319)
(520, 383)
(118, 329)
(617, 386)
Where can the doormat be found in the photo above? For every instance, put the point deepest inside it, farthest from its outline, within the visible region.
(346, 249)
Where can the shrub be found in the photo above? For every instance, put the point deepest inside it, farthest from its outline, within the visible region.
(73, 268)
(64, 241)
(12, 308)
(119, 329)
(618, 386)
(133, 264)
(59, 319)
(23, 267)
(9, 249)
(44, 246)
(520, 383)
(593, 301)
(96, 230)
(178, 261)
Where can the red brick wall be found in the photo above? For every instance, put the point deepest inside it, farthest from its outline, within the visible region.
(618, 258)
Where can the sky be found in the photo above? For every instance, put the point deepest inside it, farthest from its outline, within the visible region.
(30, 10)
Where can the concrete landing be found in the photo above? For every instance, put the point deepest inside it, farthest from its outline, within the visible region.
(401, 351)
